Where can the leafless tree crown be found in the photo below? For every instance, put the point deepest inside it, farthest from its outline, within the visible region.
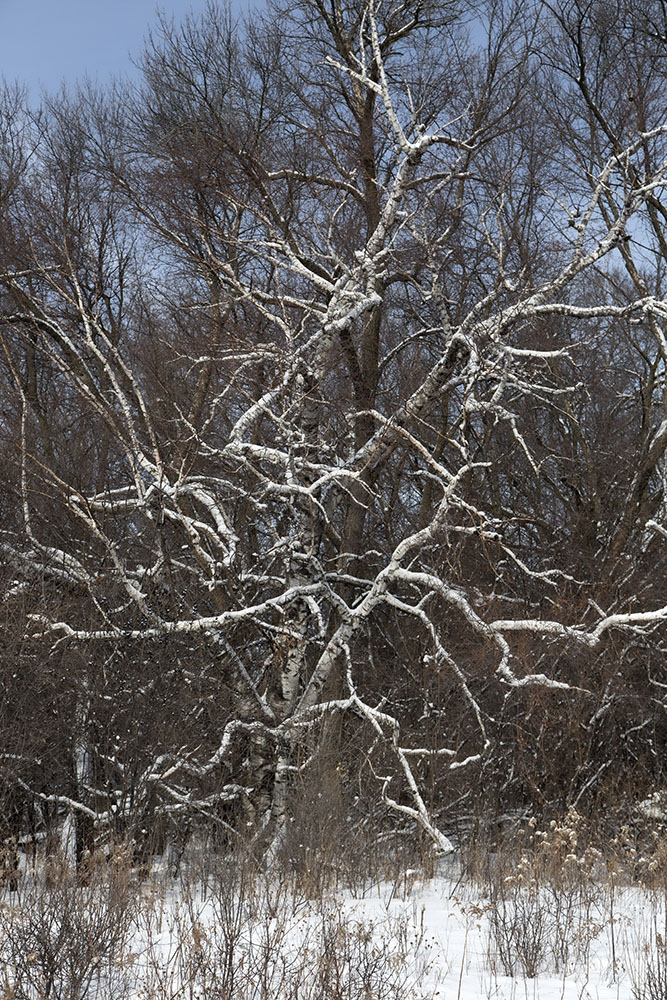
(334, 418)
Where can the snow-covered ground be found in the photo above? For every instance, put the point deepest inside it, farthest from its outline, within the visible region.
(437, 938)
(456, 953)
(460, 952)
(236, 938)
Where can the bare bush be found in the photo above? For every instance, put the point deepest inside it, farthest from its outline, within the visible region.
(246, 936)
(547, 904)
(66, 935)
(649, 980)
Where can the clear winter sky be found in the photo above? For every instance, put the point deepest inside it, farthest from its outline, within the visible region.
(46, 42)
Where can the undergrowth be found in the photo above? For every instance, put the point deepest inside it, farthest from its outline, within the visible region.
(222, 928)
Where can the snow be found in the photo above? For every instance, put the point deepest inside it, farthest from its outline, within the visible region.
(456, 951)
(440, 933)
(411, 939)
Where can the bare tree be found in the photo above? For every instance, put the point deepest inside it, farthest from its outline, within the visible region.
(319, 295)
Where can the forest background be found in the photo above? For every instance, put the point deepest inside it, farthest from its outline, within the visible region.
(333, 428)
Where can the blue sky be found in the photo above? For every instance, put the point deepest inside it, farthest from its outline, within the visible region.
(43, 42)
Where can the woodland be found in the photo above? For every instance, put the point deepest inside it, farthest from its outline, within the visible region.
(333, 419)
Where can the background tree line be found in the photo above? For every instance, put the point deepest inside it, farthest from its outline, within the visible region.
(333, 425)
